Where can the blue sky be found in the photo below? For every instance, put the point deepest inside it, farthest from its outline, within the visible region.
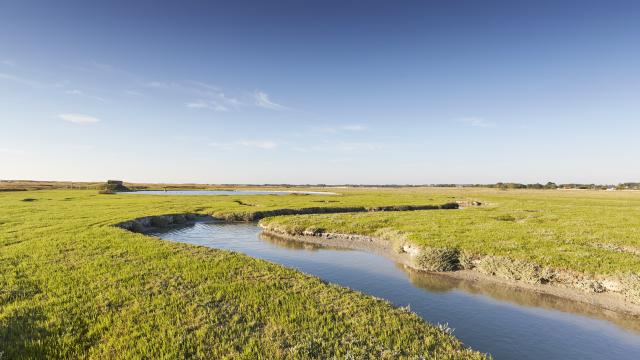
(320, 92)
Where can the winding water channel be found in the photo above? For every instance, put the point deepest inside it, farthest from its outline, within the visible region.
(505, 322)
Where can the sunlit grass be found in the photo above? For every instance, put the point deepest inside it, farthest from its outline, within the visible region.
(586, 231)
(74, 286)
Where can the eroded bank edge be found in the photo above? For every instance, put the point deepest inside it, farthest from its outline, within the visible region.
(620, 293)
(156, 222)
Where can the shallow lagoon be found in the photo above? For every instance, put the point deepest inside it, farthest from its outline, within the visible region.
(225, 192)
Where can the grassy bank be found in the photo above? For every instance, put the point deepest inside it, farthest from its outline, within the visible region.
(73, 286)
(533, 236)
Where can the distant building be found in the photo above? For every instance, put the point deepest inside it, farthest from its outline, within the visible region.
(113, 186)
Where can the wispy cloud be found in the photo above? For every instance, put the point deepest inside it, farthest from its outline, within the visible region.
(198, 94)
(205, 85)
(476, 122)
(193, 88)
(262, 100)
(8, 62)
(29, 82)
(160, 85)
(206, 96)
(132, 92)
(85, 95)
(79, 118)
(206, 104)
(198, 104)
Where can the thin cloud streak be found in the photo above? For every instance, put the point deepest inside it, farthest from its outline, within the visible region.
(29, 82)
(132, 92)
(204, 104)
(85, 95)
(79, 118)
(476, 122)
(8, 62)
(262, 100)
(207, 96)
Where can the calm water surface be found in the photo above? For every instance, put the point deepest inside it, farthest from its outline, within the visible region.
(224, 192)
(505, 322)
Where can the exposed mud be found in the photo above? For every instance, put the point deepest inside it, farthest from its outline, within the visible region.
(148, 223)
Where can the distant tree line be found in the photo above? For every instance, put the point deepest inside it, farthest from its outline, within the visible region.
(115, 186)
(506, 185)
(549, 185)
(628, 186)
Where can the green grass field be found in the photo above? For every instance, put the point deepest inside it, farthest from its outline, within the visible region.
(589, 232)
(74, 286)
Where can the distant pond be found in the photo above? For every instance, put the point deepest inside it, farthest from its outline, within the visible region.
(225, 192)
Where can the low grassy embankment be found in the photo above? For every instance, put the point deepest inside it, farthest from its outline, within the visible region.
(582, 239)
(74, 286)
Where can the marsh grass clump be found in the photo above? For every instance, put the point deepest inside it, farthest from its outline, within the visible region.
(438, 259)
(513, 269)
(240, 202)
(505, 217)
(445, 328)
(631, 286)
(391, 234)
(399, 243)
(314, 231)
(467, 260)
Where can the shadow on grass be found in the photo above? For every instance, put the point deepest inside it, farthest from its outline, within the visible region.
(22, 336)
